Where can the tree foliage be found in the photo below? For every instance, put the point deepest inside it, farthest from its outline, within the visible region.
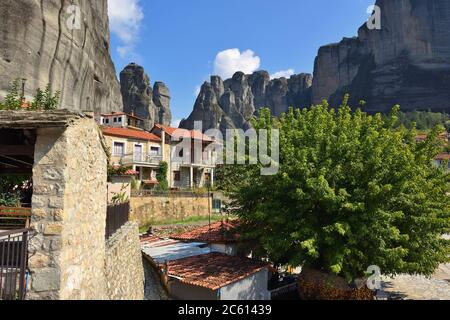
(422, 120)
(161, 176)
(353, 190)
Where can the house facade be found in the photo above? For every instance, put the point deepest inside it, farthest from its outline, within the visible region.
(187, 168)
(132, 146)
(120, 120)
(135, 148)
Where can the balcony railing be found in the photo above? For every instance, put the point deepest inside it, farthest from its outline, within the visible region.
(129, 159)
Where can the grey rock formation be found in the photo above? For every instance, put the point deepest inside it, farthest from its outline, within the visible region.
(37, 44)
(151, 104)
(232, 103)
(161, 99)
(407, 62)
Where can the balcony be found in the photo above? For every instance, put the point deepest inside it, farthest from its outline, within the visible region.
(141, 160)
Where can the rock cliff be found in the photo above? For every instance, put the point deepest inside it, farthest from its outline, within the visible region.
(231, 103)
(406, 62)
(68, 47)
(151, 104)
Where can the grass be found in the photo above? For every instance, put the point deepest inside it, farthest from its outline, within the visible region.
(185, 221)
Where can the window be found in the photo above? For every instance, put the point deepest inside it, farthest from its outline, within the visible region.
(177, 176)
(106, 120)
(120, 119)
(154, 151)
(217, 205)
(115, 119)
(119, 149)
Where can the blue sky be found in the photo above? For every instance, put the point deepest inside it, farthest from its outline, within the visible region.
(183, 42)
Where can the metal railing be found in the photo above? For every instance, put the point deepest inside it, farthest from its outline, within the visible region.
(116, 217)
(13, 264)
(128, 159)
(169, 193)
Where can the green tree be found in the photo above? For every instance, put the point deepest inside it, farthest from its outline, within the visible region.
(13, 100)
(161, 176)
(353, 190)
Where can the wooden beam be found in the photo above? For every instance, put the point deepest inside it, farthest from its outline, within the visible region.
(16, 150)
(16, 171)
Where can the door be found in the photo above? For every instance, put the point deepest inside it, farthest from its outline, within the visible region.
(137, 153)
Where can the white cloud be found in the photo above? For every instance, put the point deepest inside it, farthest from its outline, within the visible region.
(125, 18)
(230, 61)
(283, 74)
(197, 90)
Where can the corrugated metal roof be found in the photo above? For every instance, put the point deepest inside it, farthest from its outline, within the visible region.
(170, 250)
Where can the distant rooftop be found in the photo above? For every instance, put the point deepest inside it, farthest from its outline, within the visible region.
(214, 270)
(184, 133)
(219, 232)
(162, 251)
(130, 133)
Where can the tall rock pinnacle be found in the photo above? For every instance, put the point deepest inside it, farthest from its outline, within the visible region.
(151, 104)
(232, 103)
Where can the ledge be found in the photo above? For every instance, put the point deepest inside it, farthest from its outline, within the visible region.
(25, 119)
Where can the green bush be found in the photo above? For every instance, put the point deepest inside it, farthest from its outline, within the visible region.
(43, 100)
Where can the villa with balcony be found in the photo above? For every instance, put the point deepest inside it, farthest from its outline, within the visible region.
(132, 147)
(193, 169)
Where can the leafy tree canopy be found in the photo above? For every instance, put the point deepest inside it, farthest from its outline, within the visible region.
(353, 190)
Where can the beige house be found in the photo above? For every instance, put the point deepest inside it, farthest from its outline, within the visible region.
(193, 170)
(136, 148)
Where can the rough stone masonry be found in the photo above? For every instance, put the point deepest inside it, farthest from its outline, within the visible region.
(69, 258)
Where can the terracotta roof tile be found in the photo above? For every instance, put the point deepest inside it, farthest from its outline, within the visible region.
(183, 133)
(130, 133)
(443, 156)
(214, 270)
(220, 232)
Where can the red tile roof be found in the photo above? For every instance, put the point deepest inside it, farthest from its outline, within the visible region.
(443, 156)
(130, 133)
(183, 133)
(220, 232)
(214, 270)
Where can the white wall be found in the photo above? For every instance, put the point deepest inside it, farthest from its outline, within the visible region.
(253, 287)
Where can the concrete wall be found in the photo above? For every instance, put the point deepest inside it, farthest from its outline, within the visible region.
(183, 291)
(252, 288)
(147, 210)
(124, 269)
(119, 185)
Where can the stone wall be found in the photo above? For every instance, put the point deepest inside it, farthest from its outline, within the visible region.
(148, 210)
(69, 258)
(124, 269)
(68, 207)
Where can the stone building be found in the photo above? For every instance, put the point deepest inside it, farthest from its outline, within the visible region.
(69, 255)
